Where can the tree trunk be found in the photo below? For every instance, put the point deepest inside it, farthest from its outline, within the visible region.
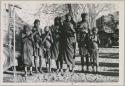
(70, 9)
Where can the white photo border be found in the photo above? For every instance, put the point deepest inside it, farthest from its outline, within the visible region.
(121, 4)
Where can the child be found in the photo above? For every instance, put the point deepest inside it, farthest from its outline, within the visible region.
(27, 48)
(47, 40)
(94, 48)
(37, 46)
(83, 49)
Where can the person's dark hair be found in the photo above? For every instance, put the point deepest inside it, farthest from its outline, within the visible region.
(94, 28)
(83, 15)
(25, 27)
(36, 21)
(67, 15)
(46, 28)
(57, 19)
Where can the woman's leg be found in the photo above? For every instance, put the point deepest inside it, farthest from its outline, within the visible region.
(68, 67)
(82, 57)
(48, 61)
(36, 63)
(93, 60)
(57, 65)
(40, 64)
(25, 69)
(61, 65)
(31, 71)
(73, 64)
(87, 62)
(40, 59)
(49, 64)
(97, 63)
(82, 62)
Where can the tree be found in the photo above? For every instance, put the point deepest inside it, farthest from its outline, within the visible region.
(94, 10)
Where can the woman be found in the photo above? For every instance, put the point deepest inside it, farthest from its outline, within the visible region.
(27, 48)
(83, 29)
(56, 33)
(68, 41)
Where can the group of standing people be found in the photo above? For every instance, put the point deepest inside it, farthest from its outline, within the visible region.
(59, 42)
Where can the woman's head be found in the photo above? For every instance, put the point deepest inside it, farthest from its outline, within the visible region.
(46, 29)
(84, 16)
(36, 23)
(26, 28)
(57, 21)
(68, 17)
(95, 30)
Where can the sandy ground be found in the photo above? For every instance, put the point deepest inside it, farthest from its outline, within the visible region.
(108, 71)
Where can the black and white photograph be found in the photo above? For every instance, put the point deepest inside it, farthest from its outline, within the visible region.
(67, 42)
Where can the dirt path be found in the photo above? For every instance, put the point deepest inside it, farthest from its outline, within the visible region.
(108, 71)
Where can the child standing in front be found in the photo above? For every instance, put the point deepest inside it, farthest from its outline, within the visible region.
(47, 41)
(94, 48)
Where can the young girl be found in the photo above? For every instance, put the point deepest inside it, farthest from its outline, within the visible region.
(47, 41)
(37, 46)
(27, 48)
(94, 48)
